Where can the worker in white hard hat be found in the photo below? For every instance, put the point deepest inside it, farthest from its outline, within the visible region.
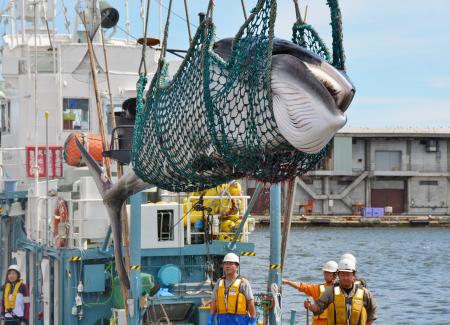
(15, 299)
(346, 296)
(232, 297)
(349, 256)
(315, 290)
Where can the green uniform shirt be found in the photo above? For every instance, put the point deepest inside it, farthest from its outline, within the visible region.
(327, 297)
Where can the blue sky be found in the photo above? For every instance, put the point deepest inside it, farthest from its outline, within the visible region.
(398, 52)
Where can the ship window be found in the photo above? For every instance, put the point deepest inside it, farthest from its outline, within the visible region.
(117, 102)
(165, 225)
(75, 114)
(5, 116)
(429, 183)
(45, 62)
(388, 160)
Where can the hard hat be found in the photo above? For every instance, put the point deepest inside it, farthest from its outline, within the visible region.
(231, 257)
(330, 266)
(349, 257)
(346, 265)
(14, 267)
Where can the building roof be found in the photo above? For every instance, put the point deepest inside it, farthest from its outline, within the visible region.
(395, 132)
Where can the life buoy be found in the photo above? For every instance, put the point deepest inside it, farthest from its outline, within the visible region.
(93, 143)
(61, 216)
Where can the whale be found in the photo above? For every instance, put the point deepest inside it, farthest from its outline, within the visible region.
(310, 98)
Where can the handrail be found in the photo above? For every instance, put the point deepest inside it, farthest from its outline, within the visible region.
(244, 198)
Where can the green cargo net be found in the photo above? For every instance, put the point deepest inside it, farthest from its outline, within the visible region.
(214, 121)
(306, 36)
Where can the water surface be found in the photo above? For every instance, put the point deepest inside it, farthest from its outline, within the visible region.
(407, 269)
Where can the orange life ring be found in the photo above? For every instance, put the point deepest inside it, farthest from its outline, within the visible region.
(61, 216)
(94, 145)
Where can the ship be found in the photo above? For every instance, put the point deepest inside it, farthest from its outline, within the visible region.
(53, 221)
(62, 92)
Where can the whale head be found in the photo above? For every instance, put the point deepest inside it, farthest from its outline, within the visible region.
(310, 96)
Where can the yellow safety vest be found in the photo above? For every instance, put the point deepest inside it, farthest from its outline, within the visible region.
(235, 302)
(10, 299)
(324, 315)
(337, 313)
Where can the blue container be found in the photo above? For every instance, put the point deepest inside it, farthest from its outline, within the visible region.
(10, 186)
(169, 274)
(203, 313)
(378, 212)
(366, 212)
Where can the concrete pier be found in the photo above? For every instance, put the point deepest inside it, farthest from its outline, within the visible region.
(358, 221)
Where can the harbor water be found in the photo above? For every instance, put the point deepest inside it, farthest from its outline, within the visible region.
(407, 269)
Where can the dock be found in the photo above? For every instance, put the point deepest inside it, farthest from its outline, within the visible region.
(359, 221)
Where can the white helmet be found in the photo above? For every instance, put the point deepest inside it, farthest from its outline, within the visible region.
(349, 257)
(14, 267)
(231, 257)
(346, 265)
(330, 266)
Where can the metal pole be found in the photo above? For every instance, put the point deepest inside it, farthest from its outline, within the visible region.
(36, 166)
(104, 248)
(135, 274)
(293, 315)
(290, 198)
(101, 124)
(160, 21)
(307, 315)
(111, 103)
(275, 241)
(23, 21)
(127, 20)
(46, 178)
(253, 200)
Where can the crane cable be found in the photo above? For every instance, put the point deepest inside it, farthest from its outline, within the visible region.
(244, 10)
(187, 21)
(297, 11)
(144, 43)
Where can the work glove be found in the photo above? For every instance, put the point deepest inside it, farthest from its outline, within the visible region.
(210, 319)
(253, 321)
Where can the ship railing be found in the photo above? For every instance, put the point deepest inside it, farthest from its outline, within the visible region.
(88, 228)
(13, 166)
(36, 227)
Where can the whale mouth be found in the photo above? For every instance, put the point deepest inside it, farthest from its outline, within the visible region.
(310, 96)
(335, 81)
(305, 111)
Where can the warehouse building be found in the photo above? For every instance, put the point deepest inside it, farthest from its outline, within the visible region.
(395, 171)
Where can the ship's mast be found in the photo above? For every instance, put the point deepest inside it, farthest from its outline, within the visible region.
(36, 167)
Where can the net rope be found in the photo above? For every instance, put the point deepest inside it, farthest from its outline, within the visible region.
(213, 122)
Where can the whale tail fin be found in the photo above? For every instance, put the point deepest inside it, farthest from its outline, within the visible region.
(113, 202)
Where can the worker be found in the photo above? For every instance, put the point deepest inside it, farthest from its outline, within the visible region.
(352, 257)
(232, 297)
(347, 296)
(315, 290)
(348, 256)
(16, 298)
